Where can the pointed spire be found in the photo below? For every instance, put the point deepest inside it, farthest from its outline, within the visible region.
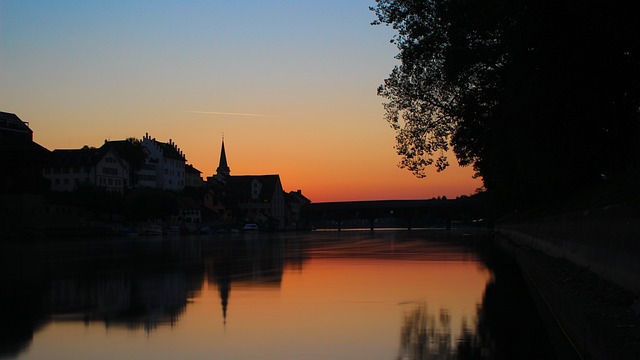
(223, 168)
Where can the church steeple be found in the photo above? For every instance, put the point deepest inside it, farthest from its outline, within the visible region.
(223, 169)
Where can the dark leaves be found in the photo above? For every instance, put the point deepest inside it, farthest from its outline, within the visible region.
(538, 96)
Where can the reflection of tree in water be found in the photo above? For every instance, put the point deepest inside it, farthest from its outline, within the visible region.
(424, 335)
(429, 336)
(506, 324)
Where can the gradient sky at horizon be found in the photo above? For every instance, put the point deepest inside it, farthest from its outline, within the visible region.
(291, 84)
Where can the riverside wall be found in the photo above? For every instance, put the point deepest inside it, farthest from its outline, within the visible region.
(583, 270)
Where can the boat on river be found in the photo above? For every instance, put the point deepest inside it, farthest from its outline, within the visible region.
(152, 229)
(128, 231)
(250, 227)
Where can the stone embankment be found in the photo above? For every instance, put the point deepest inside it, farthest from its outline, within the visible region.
(584, 272)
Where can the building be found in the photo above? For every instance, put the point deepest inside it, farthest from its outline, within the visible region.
(218, 206)
(67, 170)
(295, 202)
(21, 159)
(223, 171)
(192, 177)
(21, 181)
(129, 151)
(189, 216)
(254, 198)
(143, 163)
(164, 165)
(259, 199)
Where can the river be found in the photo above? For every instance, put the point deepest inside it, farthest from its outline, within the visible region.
(429, 294)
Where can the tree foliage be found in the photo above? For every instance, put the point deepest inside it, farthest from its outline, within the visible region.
(146, 203)
(538, 96)
(134, 153)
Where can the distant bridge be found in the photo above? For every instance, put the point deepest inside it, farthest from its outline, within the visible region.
(408, 214)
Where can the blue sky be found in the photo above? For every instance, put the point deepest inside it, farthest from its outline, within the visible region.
(84, 71)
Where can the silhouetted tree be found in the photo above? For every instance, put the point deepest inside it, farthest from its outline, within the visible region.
(134, 153)
(131, 151)
(145, 203)
(96, 199)
(540, 97)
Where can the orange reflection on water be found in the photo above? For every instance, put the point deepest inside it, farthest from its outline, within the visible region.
(371, 294)
(344, 300)
(343, 308)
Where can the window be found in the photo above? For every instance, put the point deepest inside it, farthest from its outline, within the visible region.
(109, 171)
(66, 181)
(255, 189)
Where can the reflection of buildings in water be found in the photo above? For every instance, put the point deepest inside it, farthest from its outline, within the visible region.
(137, 284)
(249, 261)
(145, 300)
(133, 284)
(128, 283)
(21, 310)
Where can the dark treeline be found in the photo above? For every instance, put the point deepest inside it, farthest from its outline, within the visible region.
(542, 98)
(138, 204)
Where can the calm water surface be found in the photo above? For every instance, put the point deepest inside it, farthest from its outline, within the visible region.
(319, 295)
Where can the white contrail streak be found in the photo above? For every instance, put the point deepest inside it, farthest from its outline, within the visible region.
(227, 113)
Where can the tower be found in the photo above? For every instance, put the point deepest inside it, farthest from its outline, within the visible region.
(223, 170)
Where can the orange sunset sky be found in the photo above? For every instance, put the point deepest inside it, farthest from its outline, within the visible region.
(291, 84)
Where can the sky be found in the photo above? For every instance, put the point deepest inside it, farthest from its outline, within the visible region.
(290, 84)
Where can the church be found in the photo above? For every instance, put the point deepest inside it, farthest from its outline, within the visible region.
(258, 199)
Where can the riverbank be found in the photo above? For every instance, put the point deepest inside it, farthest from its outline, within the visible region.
(582, 269)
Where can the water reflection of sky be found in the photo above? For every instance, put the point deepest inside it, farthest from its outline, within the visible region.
(334, 297)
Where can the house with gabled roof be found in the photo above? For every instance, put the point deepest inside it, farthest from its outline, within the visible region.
(193, 177)
(256, 198)
(130, 151)
(295, 202)
(68, 169)
(259, 198)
